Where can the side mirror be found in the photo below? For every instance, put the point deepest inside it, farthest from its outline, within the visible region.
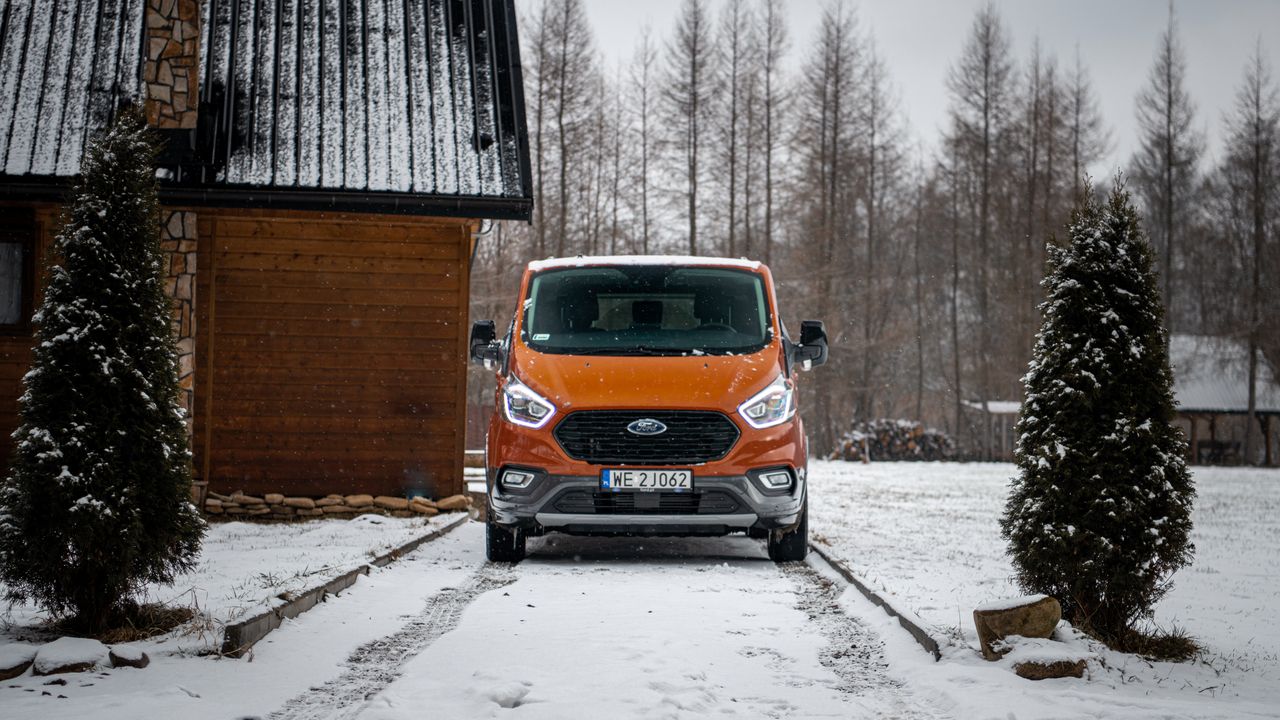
(812, 350)
(484, 346)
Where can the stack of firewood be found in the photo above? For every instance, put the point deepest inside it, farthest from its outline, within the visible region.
(894, 440)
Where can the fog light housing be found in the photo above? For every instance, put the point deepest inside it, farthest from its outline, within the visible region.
(776, 479)
(517, 478)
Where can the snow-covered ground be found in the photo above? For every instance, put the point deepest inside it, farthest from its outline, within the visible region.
(245, 568)
(697, 628)
(584, 628)
(928, 534)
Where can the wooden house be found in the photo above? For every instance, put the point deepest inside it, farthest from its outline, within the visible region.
(328, 166)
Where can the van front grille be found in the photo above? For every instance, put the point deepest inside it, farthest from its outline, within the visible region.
(601, 437)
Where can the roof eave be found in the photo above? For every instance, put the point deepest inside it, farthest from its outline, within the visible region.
(47, 189)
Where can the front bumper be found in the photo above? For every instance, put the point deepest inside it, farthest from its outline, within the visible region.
(716, 506)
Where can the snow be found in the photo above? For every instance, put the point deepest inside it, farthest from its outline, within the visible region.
(928, 535)
(694, 628)
(1009, 603)
(69, 651)
(14, 654)
(592, 260)
(247, 568)
(130, 653)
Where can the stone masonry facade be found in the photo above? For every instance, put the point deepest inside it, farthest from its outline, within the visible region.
(173, 54)
(178, 240)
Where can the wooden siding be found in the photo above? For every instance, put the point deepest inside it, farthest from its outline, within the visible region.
(330, 352)
(15, 346)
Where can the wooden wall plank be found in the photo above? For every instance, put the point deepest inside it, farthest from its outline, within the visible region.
(334, 356)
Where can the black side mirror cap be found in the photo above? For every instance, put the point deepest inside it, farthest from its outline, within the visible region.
(484, 346)
(812, 350)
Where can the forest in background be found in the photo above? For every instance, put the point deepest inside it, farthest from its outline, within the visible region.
(727, 136)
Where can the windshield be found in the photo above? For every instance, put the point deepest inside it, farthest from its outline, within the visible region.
(646, 310)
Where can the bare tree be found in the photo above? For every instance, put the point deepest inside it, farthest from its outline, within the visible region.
(689, 97)
(735, 64)
(1087, 137)
(1251, 170)
(774, 43)
(980, 87)
(1164, 167)
(574, 68)
(643, 75)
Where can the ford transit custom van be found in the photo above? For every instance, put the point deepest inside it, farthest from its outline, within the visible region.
(647, 395)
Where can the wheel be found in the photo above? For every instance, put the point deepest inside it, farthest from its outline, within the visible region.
(790, 545)
(503, 544)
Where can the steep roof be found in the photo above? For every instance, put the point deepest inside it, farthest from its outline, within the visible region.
(64, 69)
(1211, 374)
(407, 106)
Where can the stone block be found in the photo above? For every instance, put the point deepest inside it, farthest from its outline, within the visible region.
(274, 498)
(1034, 616)
(301, 503)
(391, 503)
(357, 501)
(128, 656)
(247, 500)
(454, 502)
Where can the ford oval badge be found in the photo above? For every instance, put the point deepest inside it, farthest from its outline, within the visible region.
(646, 426)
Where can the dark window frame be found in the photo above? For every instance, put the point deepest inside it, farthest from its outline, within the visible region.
(19, 225)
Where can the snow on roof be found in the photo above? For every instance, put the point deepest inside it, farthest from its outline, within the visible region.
(592, 260)
(997, 407)
(419, 96)
(1211, 374)
(64, 70)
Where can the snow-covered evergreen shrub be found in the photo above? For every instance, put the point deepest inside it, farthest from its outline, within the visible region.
(1100, 513)
(97, 501)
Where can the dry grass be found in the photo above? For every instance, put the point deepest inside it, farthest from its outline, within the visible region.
(132, 623)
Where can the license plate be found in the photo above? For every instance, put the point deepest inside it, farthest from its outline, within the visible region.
(646, 480)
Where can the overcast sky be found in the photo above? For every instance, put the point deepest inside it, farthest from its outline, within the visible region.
(920, 39)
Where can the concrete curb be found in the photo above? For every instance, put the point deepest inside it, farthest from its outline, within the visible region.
(237, 638)
(908, 620)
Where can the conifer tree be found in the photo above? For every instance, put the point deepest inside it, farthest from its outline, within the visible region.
(97, 501)
(1100, 513)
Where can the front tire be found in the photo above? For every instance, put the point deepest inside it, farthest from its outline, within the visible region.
(790, 545)
(503, 544)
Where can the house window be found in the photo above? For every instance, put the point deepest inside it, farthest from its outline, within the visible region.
(17, 264)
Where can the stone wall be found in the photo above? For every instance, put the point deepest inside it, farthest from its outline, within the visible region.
(178, 240)
(173, 61)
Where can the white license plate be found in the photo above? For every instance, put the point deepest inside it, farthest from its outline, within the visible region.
(645, 480)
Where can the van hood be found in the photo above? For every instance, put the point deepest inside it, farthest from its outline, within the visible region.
(695, 382)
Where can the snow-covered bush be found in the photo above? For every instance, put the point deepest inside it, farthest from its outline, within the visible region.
(97, 501)
(894, 440)
(1100, 513)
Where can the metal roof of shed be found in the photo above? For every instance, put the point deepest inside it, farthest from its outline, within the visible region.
(405, 106)
(1211, 375)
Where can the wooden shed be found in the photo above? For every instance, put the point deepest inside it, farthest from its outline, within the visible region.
(328, 166)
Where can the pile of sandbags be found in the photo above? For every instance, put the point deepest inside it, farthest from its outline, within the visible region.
(886, 439)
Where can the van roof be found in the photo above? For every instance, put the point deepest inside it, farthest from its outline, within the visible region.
(591, 260)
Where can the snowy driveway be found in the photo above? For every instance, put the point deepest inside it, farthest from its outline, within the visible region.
(620, 628)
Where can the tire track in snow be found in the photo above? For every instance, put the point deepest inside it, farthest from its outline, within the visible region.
(375, 665)
(854, 652)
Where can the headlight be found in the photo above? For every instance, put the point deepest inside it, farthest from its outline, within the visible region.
(524, 406)
(774, 405)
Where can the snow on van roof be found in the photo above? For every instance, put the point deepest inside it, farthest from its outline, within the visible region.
(590, 260)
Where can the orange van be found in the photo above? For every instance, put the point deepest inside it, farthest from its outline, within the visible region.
(647, 395)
